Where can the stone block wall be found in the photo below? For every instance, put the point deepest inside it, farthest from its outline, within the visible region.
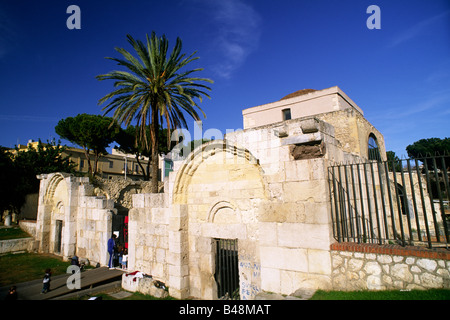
(29, 226)
(293, 229)
(14, 245)
(93, 228)
(388, 267)
(148, 236)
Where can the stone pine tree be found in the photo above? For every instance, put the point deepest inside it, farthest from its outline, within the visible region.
(425, 149)
(94, 133)
(157, 88)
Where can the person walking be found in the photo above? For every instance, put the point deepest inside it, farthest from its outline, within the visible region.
(46, 281)
(111, 250)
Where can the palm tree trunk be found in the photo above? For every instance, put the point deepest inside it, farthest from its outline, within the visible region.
(154, 158)
(144, 174)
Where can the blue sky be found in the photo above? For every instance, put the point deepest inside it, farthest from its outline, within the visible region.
(256, 51)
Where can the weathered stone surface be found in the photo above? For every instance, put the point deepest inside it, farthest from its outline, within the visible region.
(268, 296)
(379, 272)
(427, 264)
(402, 272)
(309, 150)
(303, 294)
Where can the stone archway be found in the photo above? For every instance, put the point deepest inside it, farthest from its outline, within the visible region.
(220, 187)
(55, 226)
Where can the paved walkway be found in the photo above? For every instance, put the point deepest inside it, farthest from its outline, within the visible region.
(89, 278)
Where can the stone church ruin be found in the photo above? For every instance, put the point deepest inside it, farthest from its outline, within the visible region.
(255, 212)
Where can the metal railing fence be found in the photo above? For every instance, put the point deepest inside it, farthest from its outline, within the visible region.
(392, 202)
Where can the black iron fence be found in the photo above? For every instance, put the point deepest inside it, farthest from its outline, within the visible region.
(392, 202)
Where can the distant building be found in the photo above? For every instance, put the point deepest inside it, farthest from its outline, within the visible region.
(110, 165)
(331, 105)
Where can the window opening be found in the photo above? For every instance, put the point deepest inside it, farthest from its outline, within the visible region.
(286, 114)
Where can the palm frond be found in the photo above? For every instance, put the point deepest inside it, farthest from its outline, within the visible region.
(154, 81)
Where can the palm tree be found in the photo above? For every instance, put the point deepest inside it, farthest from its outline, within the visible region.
(155, 90)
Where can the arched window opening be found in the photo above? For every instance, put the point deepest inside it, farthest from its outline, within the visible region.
(374, 150)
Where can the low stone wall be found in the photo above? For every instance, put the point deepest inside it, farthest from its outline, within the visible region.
(144, 284)
(389, 267)
(29, 226)
(15, 245)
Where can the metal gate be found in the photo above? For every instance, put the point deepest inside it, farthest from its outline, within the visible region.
(392, 202)
(227, 269)
(58, 236)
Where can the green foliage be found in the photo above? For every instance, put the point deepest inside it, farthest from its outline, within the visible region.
(19, 171)
(429, 148)
(430, 294)
(91, 132)
(46, 158)
(10, 197)
(393, 161)
(128, 143)
(127, 140)
(154, 89)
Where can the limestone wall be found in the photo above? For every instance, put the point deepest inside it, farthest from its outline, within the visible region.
(294, 227)
(265, 187)
(14, 245)
(71, 219)
(58, 206)
(224, 198)
(352, 131)
(29, 226)
(373, 267)
(148, 238)
(93, 228)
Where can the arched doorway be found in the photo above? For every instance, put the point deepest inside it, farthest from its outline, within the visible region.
(221, 187)
(55, 227)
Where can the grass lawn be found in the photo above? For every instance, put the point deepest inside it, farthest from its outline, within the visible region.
(22, 267)
(8, 233)
(431, 294)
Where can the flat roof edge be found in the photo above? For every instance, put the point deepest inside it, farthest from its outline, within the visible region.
(308, 96)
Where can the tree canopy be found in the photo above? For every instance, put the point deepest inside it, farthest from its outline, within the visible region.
(394, 162)
(91, 132)
(20, 168)
(431, 147)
